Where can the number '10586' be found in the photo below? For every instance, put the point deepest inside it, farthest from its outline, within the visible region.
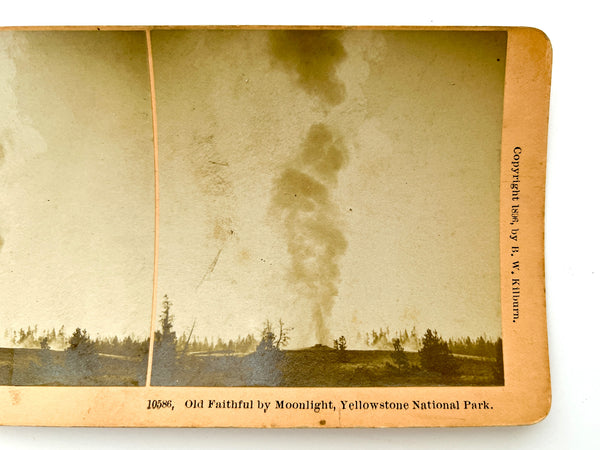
(160, 404)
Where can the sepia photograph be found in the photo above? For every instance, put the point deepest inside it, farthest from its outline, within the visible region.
(269, 226)
(329, 207)
(77, 202)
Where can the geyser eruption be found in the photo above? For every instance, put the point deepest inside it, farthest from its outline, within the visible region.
(312, 57)
(301, 197)
(315, 243)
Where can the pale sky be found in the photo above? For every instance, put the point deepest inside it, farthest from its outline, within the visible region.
(418, 116)
(392, 138)
(77, 196)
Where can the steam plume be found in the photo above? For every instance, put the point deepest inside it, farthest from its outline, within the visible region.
(312, 57)
(301, 194)
(315, 242)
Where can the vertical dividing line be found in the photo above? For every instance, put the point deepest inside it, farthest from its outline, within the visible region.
(156, 197)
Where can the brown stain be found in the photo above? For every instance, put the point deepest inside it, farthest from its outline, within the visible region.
(15, 396)
(322, 422)
(244, 255)
(312, 56)
(212, 179)
(223, 229)
(209, 167)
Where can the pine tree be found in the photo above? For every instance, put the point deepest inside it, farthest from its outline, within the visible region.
(165, 348)
(82, 355)
(499, 367)
(399, 355)
(436, 356)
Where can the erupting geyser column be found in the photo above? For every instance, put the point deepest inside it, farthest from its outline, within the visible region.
(301, 198)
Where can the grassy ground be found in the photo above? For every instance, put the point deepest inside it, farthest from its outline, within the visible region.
(317, 366)
(314, 367)
(21, 366)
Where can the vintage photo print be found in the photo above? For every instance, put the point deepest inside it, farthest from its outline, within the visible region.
(77, 208)
(329, 209)
(273, 226)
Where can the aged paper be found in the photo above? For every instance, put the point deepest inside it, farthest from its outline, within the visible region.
(273, 227)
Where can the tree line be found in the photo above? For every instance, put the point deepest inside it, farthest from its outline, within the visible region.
(384, 339)
(435, 354)
(60, 339)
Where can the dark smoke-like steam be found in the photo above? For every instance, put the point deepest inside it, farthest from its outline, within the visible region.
(311, 222)
(301, 198)
(312, 57)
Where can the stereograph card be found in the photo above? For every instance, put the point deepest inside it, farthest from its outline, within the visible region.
(273, 226)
